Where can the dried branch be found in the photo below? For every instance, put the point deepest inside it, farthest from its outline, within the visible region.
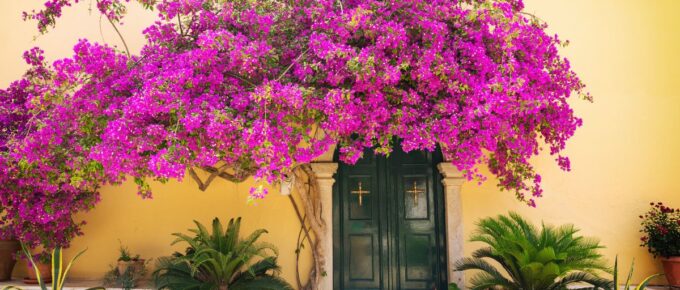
(214, 173)
(308, 188)
(238, 177)
(315, 254)
(291, 64)
(241, 78)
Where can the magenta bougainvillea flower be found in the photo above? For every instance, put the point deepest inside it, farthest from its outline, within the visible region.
(261, 86)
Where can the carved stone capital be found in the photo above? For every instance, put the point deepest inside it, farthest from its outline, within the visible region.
(324, 170)
(449, 170)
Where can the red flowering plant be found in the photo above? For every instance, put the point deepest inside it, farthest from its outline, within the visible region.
(259, 87)
(661, 229)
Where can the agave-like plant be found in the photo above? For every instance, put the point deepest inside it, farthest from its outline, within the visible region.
(59, 273)
(627, 286)
(221, 260)
(531, 259)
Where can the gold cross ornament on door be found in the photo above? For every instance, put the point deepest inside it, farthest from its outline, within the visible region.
(415, 192)
(360, 192)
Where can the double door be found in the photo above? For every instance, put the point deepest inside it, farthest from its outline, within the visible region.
(389, 225)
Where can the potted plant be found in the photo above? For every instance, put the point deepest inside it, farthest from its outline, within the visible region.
(661, 229)
(60, 270)
(126, 280)
(127, 260)
(8, 249)
(43, 265)
(128, 271)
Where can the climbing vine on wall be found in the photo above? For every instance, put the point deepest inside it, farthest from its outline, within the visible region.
(313, 227)
(239, 88)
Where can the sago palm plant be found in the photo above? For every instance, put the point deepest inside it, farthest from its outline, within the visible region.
(221, 260)
(549, 258)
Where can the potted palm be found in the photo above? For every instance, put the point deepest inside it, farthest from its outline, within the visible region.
(661, 229)
(221, 259)
(519, 255)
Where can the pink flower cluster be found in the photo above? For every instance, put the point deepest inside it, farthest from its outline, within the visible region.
(661, 230)
(261, 86)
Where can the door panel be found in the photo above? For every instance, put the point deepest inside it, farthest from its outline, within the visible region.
(417, 264)
(416, 226)
(362, 257)
(362, 225)
(389, 223)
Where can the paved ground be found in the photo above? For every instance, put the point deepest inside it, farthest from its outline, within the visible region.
(82, 285)
(71, 285)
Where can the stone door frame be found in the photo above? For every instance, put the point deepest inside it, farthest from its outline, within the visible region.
(324, 168)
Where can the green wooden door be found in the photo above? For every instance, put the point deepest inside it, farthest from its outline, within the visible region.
(388, 217)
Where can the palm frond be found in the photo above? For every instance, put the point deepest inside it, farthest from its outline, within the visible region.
(481, 265)
(582, 277)
(262, 283)
(485, 281)
(218, 257)
(532, 257)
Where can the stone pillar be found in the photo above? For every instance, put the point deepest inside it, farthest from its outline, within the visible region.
(324, 172)
(453, 181)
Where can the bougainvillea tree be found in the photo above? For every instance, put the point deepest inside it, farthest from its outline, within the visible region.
(244, 88)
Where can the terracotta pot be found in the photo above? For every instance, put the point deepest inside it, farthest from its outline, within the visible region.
(671, 267)
(8, 248)
(45, 273)
(124, 265)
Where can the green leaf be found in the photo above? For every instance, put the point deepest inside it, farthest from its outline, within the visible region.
(546, 255)
(643, 284)
(550, 271)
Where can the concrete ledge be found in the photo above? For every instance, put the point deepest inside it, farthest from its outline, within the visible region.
(633, 287)
(70, 285)
(76, 284)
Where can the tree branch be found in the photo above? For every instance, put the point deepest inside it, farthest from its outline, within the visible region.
(238, 178)
(291, 64)
(127, 50)
(241, 78)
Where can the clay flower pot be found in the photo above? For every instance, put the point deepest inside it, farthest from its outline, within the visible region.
(8, 249)
(125, 265)
(45, 273)
(671, 267)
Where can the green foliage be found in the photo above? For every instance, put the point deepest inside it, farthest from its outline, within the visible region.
(531, 259)
(59, 273)
(125, 255)
(221, 259)
(43, 257)
(453, 286)
(661, 230)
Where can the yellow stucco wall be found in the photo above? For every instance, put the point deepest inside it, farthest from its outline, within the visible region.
(626, 155)
(628, 151)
